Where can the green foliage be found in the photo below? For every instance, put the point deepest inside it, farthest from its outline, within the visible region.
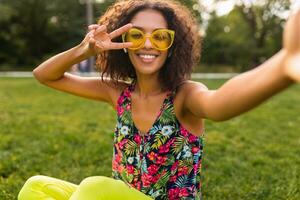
(37, 28)
(245, 37)
(42, 131)
(33, 30)
(190, 5)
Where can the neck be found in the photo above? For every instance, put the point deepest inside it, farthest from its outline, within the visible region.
(147, 86)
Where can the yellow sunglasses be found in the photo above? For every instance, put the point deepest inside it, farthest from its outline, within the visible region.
(161, 39)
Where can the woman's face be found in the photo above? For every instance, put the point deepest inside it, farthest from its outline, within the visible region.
(148, 60)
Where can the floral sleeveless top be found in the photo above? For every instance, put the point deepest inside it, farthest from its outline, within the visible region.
(164, 163)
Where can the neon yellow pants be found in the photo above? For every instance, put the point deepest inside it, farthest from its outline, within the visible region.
(92, 188)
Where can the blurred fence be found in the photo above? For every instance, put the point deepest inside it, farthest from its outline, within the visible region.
(91, 74)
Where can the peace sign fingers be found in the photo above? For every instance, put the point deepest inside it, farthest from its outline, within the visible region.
(120, 31)
(115, 45)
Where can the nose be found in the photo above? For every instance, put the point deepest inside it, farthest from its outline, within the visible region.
(148, 44)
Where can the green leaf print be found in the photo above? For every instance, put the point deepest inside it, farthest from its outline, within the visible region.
(167, 116)
(182, 181)
(170, 160)
(159, 140)
(125, 119)
(162, 180)
(179, 143)
(129, 177)
(130, 148)
(187, 163)
(147, 148)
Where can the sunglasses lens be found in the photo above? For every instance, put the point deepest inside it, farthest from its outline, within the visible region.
(135, 36)
(162, 39)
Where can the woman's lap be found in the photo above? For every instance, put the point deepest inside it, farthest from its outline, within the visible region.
(46, 188)
(92, 188)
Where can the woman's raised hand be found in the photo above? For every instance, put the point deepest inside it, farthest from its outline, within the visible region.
(97, 39)
(291, 45)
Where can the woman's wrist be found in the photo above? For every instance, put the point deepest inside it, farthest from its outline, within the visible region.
(290, 66)
(82, 52)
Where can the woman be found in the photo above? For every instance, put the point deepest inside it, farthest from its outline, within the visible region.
(148, 48)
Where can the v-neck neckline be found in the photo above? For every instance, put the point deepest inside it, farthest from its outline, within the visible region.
(158, 115)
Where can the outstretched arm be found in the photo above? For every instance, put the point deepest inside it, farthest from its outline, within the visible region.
(52, 72)
(249, 89)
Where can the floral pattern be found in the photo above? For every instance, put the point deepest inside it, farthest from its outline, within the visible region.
(164, 163)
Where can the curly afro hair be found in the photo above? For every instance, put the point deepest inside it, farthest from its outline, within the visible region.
(185, 52)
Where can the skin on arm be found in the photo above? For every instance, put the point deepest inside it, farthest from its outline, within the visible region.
(53, 73)
(250, 89)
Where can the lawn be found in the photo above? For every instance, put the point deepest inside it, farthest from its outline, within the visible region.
(43, 131)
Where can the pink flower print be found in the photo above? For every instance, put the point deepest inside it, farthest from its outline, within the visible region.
(183, 192)
(137, 138)
(196, 168)
(152, 156)
(122, 143)
(126, 93)
(183, 170)
(115, 165)
(130, 169)
(146, 179)
(120, 168)
(118, 157)
(128, 107)
(183, 131)
(173, 194)
(120, 110)
(164, 149)
(192, 138)
(195, 149)
(173, 178)
(155, 178)
(121, 100)
(171, 142)
(152, 169)
(161, 160)
(174, 166)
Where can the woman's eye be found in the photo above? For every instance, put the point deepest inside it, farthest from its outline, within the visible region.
(136, 35)
(160, 37)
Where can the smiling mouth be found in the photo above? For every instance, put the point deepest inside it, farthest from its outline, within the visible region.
(147, 58)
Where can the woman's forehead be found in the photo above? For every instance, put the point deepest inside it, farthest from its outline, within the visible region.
(149, 20)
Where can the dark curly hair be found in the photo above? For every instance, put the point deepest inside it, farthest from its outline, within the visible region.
(185, 52)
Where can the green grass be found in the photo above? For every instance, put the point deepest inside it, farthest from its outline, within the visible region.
(43, 131)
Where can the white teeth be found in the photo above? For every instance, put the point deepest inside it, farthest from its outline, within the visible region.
(147, 56)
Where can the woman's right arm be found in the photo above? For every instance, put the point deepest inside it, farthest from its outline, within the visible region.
(53, 73)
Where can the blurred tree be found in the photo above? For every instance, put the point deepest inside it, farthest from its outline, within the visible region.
(227, 40)
(194, 7)
(247, 36)
(31, 30)
(265, 25)
(35, 28)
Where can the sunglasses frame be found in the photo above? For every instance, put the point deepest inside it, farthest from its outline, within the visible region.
(145, 36)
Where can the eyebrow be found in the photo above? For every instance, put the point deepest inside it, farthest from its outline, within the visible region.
(141, 28)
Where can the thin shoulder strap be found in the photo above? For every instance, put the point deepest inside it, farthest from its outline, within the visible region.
(123, 96)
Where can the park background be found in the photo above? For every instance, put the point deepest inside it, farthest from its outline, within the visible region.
(42, 131)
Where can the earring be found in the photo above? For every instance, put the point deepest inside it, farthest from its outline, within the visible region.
(125, 50)
(169, 54)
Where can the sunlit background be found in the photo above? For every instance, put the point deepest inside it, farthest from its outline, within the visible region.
(44, 131)
(237, 34)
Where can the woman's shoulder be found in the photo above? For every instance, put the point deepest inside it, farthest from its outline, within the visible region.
(186, 90)
(118, 88)
(188, 86)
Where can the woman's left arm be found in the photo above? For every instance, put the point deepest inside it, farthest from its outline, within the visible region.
(249, 89)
